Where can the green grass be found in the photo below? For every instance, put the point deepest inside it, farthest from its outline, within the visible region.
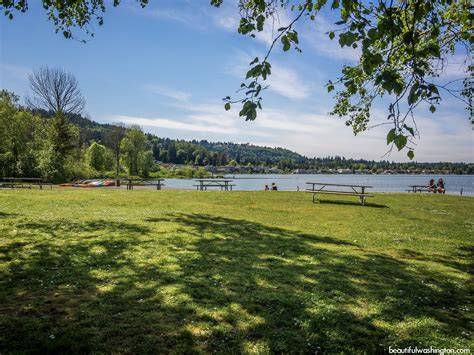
(253, 272)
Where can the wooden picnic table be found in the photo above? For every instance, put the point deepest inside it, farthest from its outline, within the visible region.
(350, 190)
(223, 184)
(24, 183)
(418, 188)
(143, 182)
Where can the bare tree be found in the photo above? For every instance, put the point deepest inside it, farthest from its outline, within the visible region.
(55, 90)
(113, 140)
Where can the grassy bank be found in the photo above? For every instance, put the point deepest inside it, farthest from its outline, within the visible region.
(144, 271)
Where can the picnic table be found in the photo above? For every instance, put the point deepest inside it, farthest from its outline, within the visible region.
(347, 190)
(223, 184)
(24, 183)
(418, 188)
(143, 182)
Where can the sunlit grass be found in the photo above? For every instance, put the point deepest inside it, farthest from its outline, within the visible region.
(156, 271)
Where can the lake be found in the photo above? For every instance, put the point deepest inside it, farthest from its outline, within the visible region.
(380, 183)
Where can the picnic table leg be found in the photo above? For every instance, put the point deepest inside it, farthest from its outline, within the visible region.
(314, 194)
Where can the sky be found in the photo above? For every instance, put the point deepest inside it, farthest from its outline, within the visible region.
(167, 67)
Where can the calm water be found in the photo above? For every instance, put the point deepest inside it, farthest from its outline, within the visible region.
(380, 183)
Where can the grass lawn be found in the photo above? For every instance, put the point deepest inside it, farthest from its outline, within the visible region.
(253, 272)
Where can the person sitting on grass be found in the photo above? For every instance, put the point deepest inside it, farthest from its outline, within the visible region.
(441, 189)
(267, 188)
(274, 187)
(432, 186)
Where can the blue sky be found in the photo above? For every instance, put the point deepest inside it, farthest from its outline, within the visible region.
(167, 67)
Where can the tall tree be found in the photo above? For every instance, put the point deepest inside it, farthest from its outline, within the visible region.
(113, 140)
(96, 156)
(134, 145)
(17, 137)
(55, 90)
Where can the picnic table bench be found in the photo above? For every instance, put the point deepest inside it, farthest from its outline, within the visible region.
(351, 190)
(418, 188)
(24, 183)
(223, 184)
(144, 182)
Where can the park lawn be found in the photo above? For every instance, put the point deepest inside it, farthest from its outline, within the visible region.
(253, 272)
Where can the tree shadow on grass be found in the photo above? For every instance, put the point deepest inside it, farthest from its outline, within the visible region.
(7, 215)
(311, 292)
(214, 284)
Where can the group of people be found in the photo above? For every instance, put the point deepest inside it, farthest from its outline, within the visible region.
(436, 188)
(273, 188)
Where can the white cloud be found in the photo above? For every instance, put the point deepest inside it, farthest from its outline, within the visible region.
(226, 17)
(15, 72)
(287, 82)
(205, 120)
(173, 124)
(457, 65)
(168, 92)
(315, 34)
(283, 80)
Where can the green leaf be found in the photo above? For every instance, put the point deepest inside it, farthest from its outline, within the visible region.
(391, 136)
(251, 114)
(400, 141)
(432, 109)
(409, 129)
(293, 37)
(372, 33)
(260, 22)
(331, 35)
(254, 61)
(227, 106)
(286, 43)
(411, 154)
(413, 95)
